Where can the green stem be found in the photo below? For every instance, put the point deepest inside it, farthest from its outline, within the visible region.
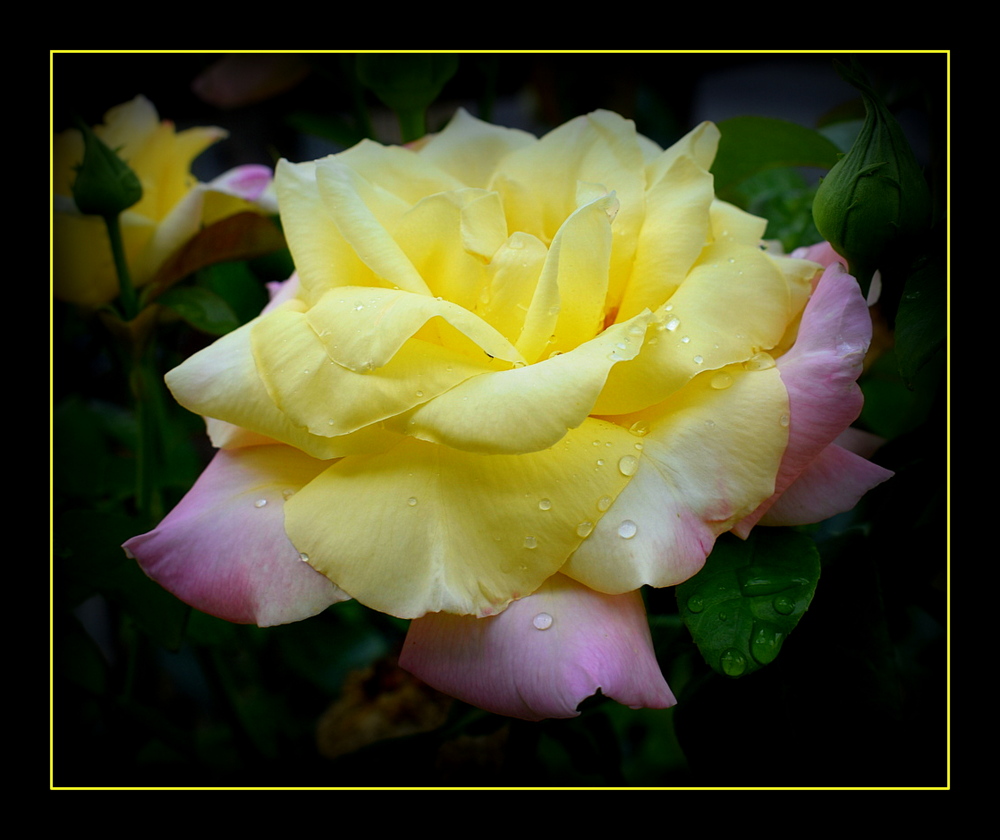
(149, 414)
(412, 124)
(126, 290)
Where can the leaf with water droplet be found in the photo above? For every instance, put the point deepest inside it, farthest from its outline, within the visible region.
(749, 596)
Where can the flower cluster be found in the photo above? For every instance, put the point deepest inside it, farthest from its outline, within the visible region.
(513, 381)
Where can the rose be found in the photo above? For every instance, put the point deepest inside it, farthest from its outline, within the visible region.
(172, 208)
(513, 381)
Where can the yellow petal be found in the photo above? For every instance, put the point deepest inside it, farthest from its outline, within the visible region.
(323, 396)
(732, 282)
(675, 230)
(568, 305)
(527, 409)
(323, 257)
(221, 381)
(469, 149)
(424, 528)
(710, 454)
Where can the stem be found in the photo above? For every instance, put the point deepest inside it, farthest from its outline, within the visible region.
(149, 415)
(126, 290)
(412, 124)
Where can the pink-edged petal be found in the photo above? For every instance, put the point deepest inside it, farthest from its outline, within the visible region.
(834, 482)
(223, 549)
(249, 182)
(543, 655)
(820, 373)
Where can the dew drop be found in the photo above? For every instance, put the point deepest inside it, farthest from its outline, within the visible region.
(287, 494)
(733, 662)
(600, 462)
(698, 360)
(721, 381)
(260, 503)
(628, 465)
(784, 420)
(710, 424)
(542, 621)
(672, 324)
(420, 393)
(303, 557)
(696, 603)
(411, 501)
(604, 503)
(759, 361)
(530, 542)
(783, 604)
(545, 504)
(639, 427)
(685, 339)
(627, 529)
(584, 529)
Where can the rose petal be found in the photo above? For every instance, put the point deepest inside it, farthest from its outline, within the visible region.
(424, 528)
(544, 655)
(833, 482)
(820, 373)
(223, 549)
(708, 457)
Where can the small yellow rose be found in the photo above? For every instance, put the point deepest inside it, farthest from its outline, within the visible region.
(173, 207)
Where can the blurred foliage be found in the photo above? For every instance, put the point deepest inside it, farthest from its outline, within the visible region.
(148, 692)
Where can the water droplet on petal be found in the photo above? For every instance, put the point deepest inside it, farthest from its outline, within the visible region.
(696, 603)
(672, 324)
(685, 339)
(303, 557)
(639, 427)
(721, 381)
(584, 529)
(530, 542)
(784, 420)
(287, 494)
(604, 503)
(545, 504)
(698, 360)
(627, 529)
(760, 361)
(260, 503)
(542, 621)
(628, 465)
(411, 501)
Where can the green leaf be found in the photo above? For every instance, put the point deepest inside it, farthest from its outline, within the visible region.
(752, 144)
(202, 308)
(749, 596)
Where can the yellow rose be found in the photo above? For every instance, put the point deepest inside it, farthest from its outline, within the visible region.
(542, 371)
(173, 207)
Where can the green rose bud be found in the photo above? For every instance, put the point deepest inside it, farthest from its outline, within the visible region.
(875, 198)
(104, 185)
